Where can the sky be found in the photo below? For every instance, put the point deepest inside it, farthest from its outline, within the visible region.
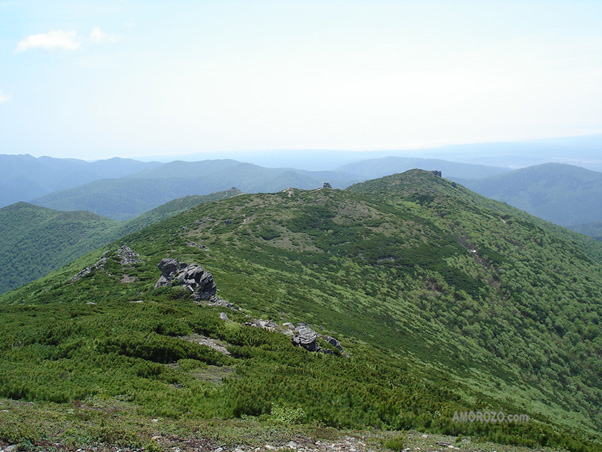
(96, 79)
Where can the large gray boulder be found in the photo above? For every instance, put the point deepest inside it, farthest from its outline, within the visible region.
(306, 337)
(194, 277)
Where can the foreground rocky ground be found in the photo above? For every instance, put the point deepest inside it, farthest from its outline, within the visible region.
(247, 435)
(413, 441)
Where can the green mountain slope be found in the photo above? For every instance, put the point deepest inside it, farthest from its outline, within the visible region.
(35, 240)
(127, 197)
(444, 301)
(564, 194)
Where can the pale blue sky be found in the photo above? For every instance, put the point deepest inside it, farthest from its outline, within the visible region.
(96, 79)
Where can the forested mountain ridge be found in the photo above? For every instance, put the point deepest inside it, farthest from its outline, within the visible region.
(34, 240)
(443, 300)
(127, 197)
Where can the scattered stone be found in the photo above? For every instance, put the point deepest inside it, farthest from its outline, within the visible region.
(128, 257)
(81, 274)
(195, 245)
(217, 301)
(228, 222)
(99, 264)
(11, 448)
(223, 316)
(332, 341)
(269, 325)
(326, 185)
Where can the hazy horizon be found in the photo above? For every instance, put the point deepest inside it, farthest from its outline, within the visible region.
(93, 80)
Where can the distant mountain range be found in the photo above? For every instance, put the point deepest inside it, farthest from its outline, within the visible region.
(592, 229)
(563, 194)
(385, 166)
(23, 177)
(122, 193)
(584, 151)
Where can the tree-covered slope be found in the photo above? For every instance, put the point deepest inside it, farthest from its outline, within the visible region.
(444, 301)
(35, 240)
(564, 194)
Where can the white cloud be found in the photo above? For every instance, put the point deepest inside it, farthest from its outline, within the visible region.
(4, 97)
(54, 39)
(97, 36)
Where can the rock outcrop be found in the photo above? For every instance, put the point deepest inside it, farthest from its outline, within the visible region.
(99, 264)
(127, 256)
(306, 337)
(194, 277)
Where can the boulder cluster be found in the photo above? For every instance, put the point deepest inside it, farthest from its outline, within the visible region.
(302, 335)
(194, 277)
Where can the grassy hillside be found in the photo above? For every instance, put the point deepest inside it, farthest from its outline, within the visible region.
(127, 197)
(564, 194)
(35, 240)
(443, 300)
